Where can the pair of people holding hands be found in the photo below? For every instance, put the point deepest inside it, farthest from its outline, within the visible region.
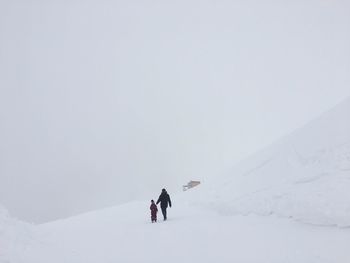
(164, 200)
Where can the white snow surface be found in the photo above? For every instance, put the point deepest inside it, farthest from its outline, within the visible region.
(305, 176)
(289, 203)
(192, 234)
(15, 236)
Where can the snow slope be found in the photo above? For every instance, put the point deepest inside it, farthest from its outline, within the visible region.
(305, 176)
(15, 236)
(125, 234)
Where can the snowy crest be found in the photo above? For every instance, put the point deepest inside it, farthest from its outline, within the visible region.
(14, 236)
(3, 213)
(305, 176)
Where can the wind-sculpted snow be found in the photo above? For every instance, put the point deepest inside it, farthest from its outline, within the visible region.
(305, 176)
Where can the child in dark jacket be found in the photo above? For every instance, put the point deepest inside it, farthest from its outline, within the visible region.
(154, 211)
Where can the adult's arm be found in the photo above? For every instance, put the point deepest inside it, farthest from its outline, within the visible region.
(169, 200)
(159, 200)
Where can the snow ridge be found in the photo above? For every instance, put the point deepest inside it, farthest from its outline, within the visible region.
(305, 176)
(15, 236)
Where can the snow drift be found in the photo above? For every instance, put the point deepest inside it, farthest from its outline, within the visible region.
(305, 176)
(14, 237)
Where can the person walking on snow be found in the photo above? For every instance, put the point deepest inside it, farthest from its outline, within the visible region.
(154, 211)
(164, 200)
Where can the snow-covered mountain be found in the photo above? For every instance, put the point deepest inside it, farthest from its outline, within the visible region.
(305, 176)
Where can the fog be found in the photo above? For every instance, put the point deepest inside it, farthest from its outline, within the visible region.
(103, 102)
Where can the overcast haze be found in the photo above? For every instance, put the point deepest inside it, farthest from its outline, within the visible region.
(102, 102)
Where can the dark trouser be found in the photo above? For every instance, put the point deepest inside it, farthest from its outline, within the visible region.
(154, 216)
(164, 212)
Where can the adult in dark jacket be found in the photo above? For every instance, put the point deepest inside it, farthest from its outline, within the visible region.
(164, 200)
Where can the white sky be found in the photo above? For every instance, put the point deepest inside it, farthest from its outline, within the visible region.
(107, 101)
